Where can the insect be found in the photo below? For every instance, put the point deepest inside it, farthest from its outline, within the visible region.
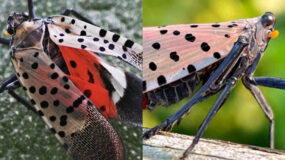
(87, 103)
(177, 58)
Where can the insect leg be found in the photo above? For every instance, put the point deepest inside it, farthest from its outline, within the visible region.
(12, 83)
(5, 41)
(69, 11)
(269, 82)
(228, 62)
(31, 9)
(20, 99)
(8, 81)
(257, 94)
(250, 83)
(222, 98)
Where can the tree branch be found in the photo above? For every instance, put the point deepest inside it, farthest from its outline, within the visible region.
(169, 146)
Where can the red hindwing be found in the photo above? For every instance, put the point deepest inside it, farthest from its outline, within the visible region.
(84, 69)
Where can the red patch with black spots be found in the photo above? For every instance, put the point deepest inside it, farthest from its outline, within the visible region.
(86, 78)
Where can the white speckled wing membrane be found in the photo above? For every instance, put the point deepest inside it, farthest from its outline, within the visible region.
(75, 33)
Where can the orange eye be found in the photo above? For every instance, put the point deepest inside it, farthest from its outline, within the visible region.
(274, 34)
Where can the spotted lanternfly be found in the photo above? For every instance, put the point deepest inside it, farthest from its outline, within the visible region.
(82, 98)
(177, 58)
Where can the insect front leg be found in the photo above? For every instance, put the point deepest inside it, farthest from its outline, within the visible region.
(250, 83)
(12, 78)
(271, 82)
(222, 98)
(12, 83)
(229, 61)
(257, 94)
(5, 41)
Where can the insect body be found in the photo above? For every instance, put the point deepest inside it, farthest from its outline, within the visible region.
(82, 98)
(178, 57)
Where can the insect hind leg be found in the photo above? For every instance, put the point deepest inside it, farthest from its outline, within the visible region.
(222, 98)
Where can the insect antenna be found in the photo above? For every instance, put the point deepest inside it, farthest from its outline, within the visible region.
(31, 9)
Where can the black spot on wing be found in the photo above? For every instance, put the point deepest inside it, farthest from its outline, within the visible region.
(73, 64)
(72, 21)
(129, 43)
(174, 56)
(161, 80)
(152, 66)
(43, 90)
(91, 78)
(111, 46)
(194, 26)
(189, 37)
(215, 25)
(80, 40)
(156, 45)
(176, 33)
(56, 103)
(205, 47)
(25, 75)
(217, 55)
(44, 104)
(83, 33)
(191, 68)
(67, 30)
(34, 65)
(87, 93)
(115, 37)
(102, 32)
(163, 31)
(32, 89)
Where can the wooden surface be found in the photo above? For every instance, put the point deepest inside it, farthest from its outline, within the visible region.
(170, 146)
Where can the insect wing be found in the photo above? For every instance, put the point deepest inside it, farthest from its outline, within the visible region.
(86, 73)
(70, 115)
(175, 51)
(75, 33)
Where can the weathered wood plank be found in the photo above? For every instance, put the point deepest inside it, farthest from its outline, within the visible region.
(170, 146)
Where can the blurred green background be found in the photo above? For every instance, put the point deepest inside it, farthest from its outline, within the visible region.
(240, 120)
(24, 135)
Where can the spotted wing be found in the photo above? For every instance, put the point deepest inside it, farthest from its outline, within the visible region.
(70, 115)
(173, 52)
(67, 31)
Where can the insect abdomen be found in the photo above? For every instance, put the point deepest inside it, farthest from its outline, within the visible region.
(173, 92)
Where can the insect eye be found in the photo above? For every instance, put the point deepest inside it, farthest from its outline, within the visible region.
(10, 30)
(267, 19)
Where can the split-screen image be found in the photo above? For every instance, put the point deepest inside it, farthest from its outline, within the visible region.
(133, 80)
